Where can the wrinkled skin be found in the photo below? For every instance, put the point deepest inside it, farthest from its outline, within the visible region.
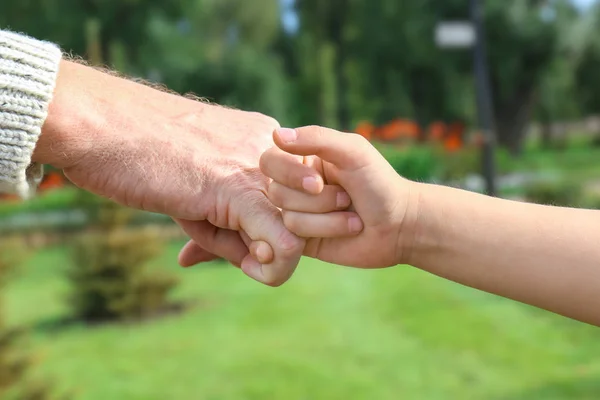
(159, 152)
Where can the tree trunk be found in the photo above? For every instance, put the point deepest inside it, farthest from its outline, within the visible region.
(337, 34)
(546, 135)
(512, 120)
(545, 128)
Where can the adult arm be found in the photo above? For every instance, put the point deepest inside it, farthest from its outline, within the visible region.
(157, 151)
(545, 256)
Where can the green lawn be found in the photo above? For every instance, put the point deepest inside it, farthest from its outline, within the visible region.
(331, 333)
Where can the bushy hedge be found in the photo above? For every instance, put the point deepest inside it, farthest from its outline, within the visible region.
(53, 200)
(109, 277)
(418, 163)
(561, 193)
(15, 363)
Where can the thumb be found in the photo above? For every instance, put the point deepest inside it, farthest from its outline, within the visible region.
(259, 250)
(344, 150)
(263, 222)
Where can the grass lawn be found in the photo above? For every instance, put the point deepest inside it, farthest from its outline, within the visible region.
(331, 333)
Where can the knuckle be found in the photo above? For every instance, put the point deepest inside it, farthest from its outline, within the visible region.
(291, 248)
(331, 202)
(293, 179)
(270, 122)
(291, 221)
(320, 133)
(264, 162)
(290, 243)
(312, 127)
(316, 130)
(275, 195)
(359, 140)
(360, 149)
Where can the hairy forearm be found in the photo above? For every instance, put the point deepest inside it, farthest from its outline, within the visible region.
(73, 118)
(548, 257)
(89, 108)
(95, 107)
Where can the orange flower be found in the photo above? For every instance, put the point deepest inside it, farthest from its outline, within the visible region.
(452, 143)
(52, 181)
(457, 129)
(366, 130)
(436, 131)
(399, 129)
(455, 137)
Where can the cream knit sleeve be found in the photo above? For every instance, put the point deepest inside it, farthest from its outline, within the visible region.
(28, 71)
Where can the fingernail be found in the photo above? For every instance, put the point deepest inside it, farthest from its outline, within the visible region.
(310, 184)
(287, 135)
(355, 224)
(343, 200)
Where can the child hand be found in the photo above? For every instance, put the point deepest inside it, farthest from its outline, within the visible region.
(343, 196)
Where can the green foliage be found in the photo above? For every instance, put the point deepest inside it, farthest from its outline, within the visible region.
(591, 203)
(350, 60)
(387, 65)
(459, 164)
(109, 279)
(13, 252)
(587, 59)
(54, 200)
(415, 163)
(14, 362)
(562, 193)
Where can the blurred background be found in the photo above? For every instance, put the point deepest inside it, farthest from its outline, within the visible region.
(93, 305)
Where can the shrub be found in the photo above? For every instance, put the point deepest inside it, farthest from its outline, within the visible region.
(591, 201)
(14, 363)
(469, 160)
(418, 163)
(563, 194)
(109, 276)
(55, 200)
(459, 164)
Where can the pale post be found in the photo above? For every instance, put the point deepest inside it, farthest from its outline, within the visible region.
(469, 34)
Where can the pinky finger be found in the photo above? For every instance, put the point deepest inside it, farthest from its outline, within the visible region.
(331, 225)
(259, 250)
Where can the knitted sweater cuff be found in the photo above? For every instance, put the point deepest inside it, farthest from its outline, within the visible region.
(28, 71)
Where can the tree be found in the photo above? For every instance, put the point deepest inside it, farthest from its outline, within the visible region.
(393, 67)
(221, 50)
(351, 60)
(109, 276)
(587, 80)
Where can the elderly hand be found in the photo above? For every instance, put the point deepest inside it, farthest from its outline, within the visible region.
(156, 151)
